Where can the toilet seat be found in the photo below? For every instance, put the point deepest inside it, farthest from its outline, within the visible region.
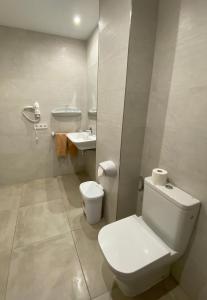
(91, 190)
(129, 246)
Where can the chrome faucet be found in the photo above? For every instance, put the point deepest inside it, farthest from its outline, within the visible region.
(89, 130)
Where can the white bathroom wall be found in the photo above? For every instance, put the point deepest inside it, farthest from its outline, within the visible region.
(92, 95)
(44, 68)
(139, 72)
(176, 136)
(114, 26)
(166, 36)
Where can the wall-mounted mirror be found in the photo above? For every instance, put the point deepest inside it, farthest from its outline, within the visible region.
(92, 80)
(49, 55)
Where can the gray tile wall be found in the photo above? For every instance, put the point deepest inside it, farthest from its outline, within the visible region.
(167, 27)
(113, 51)
(139, 71)
(44, 68)
(176, 137)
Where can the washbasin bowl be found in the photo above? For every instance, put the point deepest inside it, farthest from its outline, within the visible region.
(83, 140)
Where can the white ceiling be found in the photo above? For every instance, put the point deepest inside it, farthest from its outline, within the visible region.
(51, 16)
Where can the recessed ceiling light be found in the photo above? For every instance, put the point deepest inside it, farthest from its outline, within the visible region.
(76, 20)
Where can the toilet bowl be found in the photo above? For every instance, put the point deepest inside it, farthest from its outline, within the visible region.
(140, 250)
(135, 254)
(92, 194)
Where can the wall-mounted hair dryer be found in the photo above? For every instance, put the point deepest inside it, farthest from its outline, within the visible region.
(35, 108)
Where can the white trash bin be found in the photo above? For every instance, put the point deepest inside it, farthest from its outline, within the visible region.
(92, 194)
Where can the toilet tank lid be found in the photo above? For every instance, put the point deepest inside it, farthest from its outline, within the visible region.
(91, 189)
(177, 196)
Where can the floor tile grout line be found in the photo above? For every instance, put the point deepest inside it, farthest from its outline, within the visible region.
(15, 229)
(81, 264)
(60, 200)
(83, 270)
(67, 209)
(44, 201)
(9, 264)
(72, 230)
(102, 294)
(43, 240)
(12, 246)
(68, 219)
(40, 202)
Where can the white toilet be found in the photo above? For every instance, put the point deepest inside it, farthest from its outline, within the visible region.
(92, 194)
(140, 250)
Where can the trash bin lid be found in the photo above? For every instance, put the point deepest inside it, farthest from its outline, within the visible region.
(91, 190)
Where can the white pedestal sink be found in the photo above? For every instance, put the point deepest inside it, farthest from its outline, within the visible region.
(83, 140)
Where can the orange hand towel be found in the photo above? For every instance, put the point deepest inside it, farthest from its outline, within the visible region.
(72, 149)
(61, 144)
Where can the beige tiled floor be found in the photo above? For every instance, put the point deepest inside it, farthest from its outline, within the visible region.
(49, 252)
(39, 222)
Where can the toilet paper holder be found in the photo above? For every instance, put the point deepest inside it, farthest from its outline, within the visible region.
(107, 168)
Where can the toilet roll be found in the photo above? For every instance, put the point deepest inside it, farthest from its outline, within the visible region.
(107, 168)
(159, 176)
(100, 171)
